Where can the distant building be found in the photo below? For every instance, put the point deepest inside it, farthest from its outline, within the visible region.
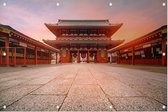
(83, 40)
(19, 49)
(150, 49)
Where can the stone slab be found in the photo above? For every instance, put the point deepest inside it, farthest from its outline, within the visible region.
(37, 103)
(86, 98)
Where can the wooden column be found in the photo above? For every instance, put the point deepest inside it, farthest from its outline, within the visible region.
(49, 57)
(68, 56)
(25, 60)
(14, 56)
(70, 59)
(106, 56)
(78, 57)
(55, 58)
(97, 56)
(164, 51)
(61, 56)
(36, 56)
(111, 57)
(88, 54)
(0, 55)
(133, 55)
(7, 50)
(118, 57)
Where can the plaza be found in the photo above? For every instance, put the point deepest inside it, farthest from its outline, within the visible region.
(83, 87)
(81, 55)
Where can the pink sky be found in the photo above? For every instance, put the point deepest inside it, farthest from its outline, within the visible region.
(138, 16)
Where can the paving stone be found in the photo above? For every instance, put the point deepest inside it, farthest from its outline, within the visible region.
(116, 88)
(11, 95)
(57, 86)
(85, 87)
(81, 79)
(86, 98)
(40, 80)
(37, 103)
(157, 93)
(136, 104)
(11, 83)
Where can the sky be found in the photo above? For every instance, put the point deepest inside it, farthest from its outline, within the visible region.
(139, 17)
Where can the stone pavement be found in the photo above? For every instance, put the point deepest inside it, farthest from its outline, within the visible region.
(83, 87)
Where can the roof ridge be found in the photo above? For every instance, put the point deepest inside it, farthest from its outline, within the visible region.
(83, 20)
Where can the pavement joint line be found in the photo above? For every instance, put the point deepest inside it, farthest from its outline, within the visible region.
(49, 94)
(14, 86)
(68, 90)
(84, 84)
(155, 100)
(28, 81)
(29, 93)
(22, 83)
(102, 89)
(126, 96)
(139, 91)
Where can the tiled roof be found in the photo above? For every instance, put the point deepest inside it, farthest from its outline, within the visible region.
(82, 23)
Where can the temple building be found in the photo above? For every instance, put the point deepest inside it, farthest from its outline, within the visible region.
(83, 40)
(18, 49)
(149, 49)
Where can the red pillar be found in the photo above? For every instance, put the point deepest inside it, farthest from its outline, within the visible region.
(97, 56)
(106, 56)
(49, 57)
(118, 57)
(25, 61)
(14, 56)
(56, 58)
(88, 60)
(78, 56)
(0, 55)
(61, 56)
(36, 56)
(133, 55)
(7, 50)
(164, 51)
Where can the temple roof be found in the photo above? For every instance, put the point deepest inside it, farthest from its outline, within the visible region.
(107, 43)
(83, 23)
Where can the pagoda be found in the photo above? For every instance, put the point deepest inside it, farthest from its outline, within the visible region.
(83, 40)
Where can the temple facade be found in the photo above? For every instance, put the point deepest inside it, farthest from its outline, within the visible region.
(83, 40)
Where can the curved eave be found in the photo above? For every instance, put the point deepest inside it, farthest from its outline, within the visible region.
(57, 43)
(158, 33)
(114, 30)
(54, 28)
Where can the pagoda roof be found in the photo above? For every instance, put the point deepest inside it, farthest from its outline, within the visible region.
(108, 43)
(83, 23)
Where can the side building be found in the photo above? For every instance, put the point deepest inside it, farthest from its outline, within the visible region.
(19, 49)
(150, 49)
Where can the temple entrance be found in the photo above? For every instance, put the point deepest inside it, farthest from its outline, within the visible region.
(74, 56)
(83, 56)
(92, 56)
